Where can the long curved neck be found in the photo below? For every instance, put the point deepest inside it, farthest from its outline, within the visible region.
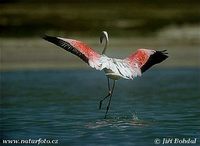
(105, 47)
(104, 35)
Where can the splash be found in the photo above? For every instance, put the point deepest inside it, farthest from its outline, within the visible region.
(118, 121)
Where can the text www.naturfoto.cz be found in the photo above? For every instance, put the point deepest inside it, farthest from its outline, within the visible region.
(29, 141)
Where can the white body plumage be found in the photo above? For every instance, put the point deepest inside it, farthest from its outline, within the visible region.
(118, 68)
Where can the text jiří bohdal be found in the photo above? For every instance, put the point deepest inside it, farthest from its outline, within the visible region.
(179, 141)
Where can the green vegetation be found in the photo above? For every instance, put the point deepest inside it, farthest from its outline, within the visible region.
(22, 18)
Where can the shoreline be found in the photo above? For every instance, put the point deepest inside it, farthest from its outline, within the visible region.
(35, 53)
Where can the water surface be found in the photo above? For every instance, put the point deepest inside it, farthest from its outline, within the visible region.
(63, 105)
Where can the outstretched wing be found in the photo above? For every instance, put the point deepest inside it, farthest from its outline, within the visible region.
(145, 58)
(77, 48)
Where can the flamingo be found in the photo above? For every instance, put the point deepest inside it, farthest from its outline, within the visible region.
(128, 68)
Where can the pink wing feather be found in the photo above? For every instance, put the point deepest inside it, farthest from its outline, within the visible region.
(140, 57)
(77, 48)
(83, 48)
(145, 58)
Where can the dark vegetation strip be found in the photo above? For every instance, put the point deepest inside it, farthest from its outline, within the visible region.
(22, 18)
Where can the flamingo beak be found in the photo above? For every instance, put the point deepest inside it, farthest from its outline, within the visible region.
(101, 38)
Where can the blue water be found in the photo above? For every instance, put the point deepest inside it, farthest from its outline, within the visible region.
(63, 105)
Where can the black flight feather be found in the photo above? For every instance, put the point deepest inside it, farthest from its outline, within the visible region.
(66, 46)
(155, 58)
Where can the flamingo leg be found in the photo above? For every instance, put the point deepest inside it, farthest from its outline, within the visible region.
(110, 99)
(109, 93)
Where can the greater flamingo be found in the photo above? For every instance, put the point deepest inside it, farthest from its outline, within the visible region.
(128, 68)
